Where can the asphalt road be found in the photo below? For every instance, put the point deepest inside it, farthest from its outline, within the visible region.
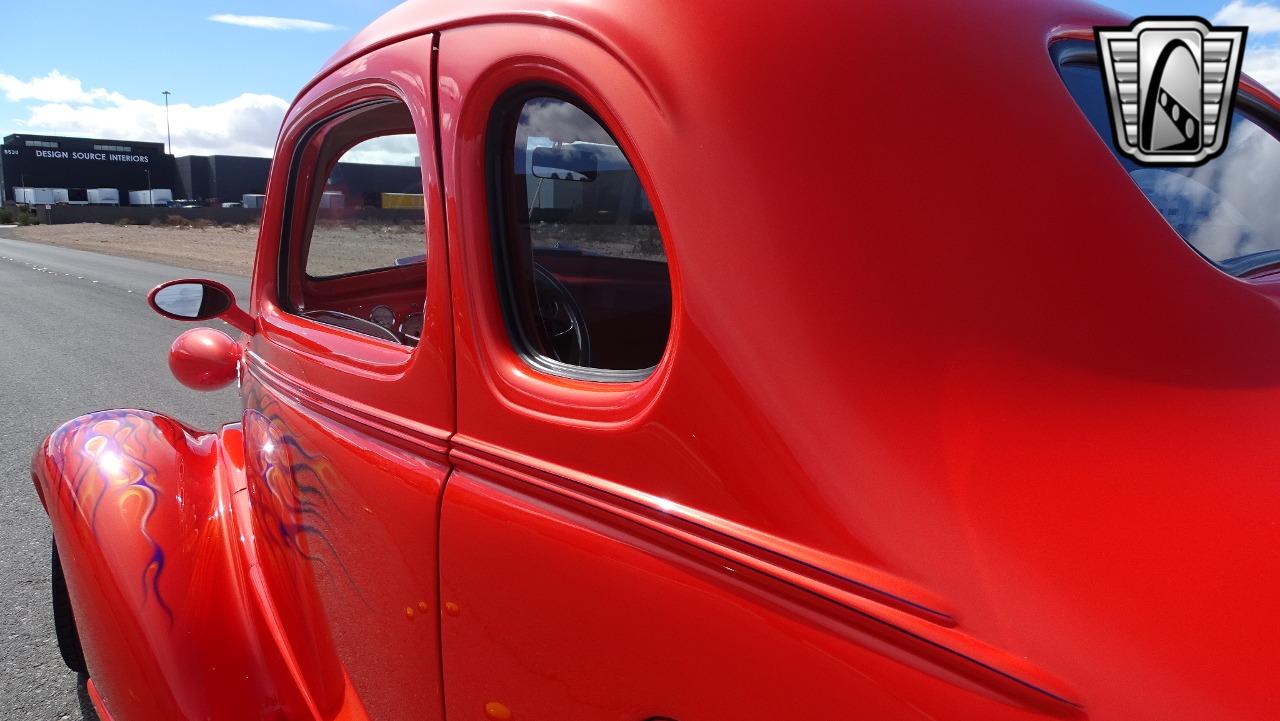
(76, 335)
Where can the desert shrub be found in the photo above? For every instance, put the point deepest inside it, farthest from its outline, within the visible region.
(175, 220)
(6, 216)
(202, 223)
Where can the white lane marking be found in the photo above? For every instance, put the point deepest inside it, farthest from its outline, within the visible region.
(45, 269)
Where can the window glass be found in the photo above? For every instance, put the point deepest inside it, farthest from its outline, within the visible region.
(1227, 208)
(357, 259)
(370, 213)
(580, 250)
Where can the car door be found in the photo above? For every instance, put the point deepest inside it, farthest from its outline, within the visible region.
(348, 387)
(657, 509)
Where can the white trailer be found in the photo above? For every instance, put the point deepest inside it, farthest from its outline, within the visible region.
(34, 196)
(332, 199)
(156, 196)
(104, 196)
(252, 200)
(61, 195)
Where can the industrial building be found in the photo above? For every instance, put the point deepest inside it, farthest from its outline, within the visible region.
(45, 161)
(59, 169)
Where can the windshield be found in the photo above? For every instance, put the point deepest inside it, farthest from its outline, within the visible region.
(1229, 208)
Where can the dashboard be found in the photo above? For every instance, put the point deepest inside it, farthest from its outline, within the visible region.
(381, 321)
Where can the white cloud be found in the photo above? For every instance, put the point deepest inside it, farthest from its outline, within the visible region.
(386, 150)
(1261, 17)
(58, 104)
(1261, 61)
(1263, 65)
(267, 22)
(52, 88)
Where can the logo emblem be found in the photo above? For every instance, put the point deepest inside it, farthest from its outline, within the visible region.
(1172, 84)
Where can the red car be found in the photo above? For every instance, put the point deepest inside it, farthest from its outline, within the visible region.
(684, 361)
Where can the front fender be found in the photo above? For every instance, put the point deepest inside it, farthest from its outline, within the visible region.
(141, 509)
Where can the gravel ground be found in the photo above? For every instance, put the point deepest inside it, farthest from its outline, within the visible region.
(335, 248)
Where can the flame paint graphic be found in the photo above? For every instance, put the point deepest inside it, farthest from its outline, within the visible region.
(290, 486)
(102, 458)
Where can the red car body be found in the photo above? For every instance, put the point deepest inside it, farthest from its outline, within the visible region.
(950, 425)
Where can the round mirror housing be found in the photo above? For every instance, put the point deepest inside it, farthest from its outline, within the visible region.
(204, 359)
(197, 299)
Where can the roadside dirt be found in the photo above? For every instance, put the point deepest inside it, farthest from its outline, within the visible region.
(335, 249)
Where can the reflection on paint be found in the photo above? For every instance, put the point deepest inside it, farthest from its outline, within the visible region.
(102, 459)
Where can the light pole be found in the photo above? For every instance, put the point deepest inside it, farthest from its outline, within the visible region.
(167, 132)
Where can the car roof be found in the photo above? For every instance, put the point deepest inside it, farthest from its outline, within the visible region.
(627, 27)
(624, 25)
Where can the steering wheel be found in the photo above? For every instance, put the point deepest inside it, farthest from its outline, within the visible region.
(351, 322)
(563, 327)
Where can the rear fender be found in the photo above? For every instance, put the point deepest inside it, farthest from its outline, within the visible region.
(141, 509)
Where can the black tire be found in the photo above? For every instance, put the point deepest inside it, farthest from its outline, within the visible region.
(64, 623)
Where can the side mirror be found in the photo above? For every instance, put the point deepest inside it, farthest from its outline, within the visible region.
(196, 299)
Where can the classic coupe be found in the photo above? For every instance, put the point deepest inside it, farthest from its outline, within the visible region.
(626, 361)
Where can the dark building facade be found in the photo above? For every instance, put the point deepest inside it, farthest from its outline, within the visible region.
(48, 161)
(221, 177)
(362, 183)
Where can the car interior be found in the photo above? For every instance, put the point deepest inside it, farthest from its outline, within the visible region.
(584, 271)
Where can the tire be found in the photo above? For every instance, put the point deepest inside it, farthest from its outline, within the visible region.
(64, 623)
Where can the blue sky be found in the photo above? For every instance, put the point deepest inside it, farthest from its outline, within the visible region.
(230, 82)
(90, 68)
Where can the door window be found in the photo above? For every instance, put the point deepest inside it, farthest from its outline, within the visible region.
(583, 268)
(356, 257)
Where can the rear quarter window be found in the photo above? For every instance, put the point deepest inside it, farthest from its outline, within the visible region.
(1227, 209)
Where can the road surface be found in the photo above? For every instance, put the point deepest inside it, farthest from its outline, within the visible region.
(76, 335)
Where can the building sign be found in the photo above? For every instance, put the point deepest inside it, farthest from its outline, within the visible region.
(83, 155)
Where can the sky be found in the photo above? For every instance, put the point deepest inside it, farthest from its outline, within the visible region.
(97, 69)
